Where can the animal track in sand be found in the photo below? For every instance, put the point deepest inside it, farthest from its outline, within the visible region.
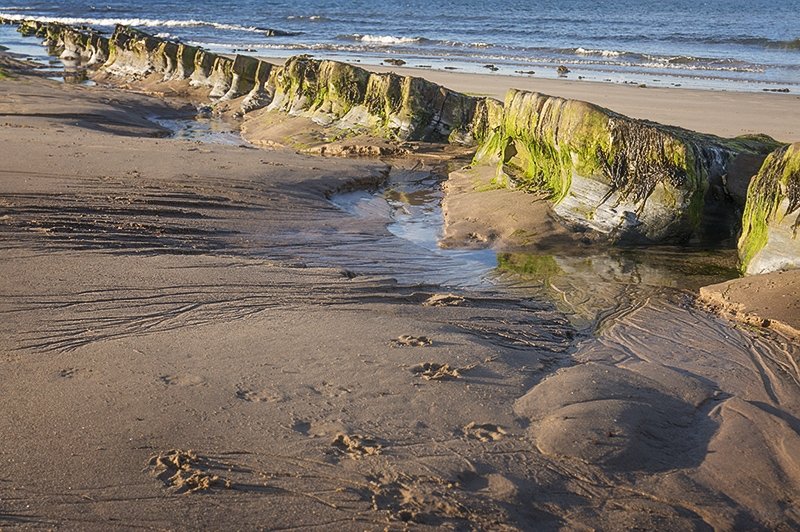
(355, 446)
(257, 396)
(182, 380)
(485, 432)
(68, 373)
(432, 371)
(406, 340)
(184, 471)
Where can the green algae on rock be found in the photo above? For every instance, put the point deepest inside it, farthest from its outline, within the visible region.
(769, 230)
(387, 105)
(632, 180)
(628, 179)
(336, 94)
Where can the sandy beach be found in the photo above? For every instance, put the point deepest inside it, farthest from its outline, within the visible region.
(195, 336)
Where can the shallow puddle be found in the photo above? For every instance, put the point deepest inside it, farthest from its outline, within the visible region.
(412, 211)
(590, 288)
(208, 130)
(31, 49)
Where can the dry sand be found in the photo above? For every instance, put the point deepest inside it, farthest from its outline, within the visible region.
(172, 356)
(769, 300)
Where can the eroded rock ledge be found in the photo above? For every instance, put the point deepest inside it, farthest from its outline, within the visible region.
(630, 180)
(769, 227)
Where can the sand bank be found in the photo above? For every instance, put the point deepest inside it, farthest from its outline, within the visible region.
(768, 300)
(163, 296)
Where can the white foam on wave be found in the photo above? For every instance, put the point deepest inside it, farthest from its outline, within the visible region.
(242, 45)
(386, 39)
(315, 18)
(604, 53)
(144, 22)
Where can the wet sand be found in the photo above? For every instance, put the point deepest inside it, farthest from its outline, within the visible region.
(174, 356)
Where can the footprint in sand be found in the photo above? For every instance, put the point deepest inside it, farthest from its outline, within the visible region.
(428, 500)
(485, 432)
(406, 340)
(355, 446)
(432, 371)
(257, 396)
(185, 471)
(182, 380)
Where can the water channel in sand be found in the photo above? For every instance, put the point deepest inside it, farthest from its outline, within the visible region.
(653, 387)
(587, 287)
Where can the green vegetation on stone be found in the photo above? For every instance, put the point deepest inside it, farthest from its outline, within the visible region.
(778, 180)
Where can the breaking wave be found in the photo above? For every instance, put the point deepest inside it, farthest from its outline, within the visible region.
(140, 22)
(387, 40)
(312, 18)
(604, 53)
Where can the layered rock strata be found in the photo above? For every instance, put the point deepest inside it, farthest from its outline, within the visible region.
(769, 240)
(630, 179)
(389, 105)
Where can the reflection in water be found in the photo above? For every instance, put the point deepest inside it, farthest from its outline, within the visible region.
(591, 289)
(65, 70)
(410, 205)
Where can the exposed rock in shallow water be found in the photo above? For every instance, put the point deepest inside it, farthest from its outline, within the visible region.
(331, 93)
(393, 106)
(630, 179)
(769, 239)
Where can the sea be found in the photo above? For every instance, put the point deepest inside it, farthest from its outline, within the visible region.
(750, 45)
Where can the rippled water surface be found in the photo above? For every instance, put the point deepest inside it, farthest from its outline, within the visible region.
(746, 44)
(591, 288)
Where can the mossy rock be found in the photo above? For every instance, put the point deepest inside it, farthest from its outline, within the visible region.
(770, 222)
(387, 105)
(633, 180)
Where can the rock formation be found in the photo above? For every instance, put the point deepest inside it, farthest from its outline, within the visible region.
(331, 93)
(389, 105)
(769, 239)
(630, 179)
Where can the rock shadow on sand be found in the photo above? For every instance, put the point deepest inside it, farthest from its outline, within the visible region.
(620, 419)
